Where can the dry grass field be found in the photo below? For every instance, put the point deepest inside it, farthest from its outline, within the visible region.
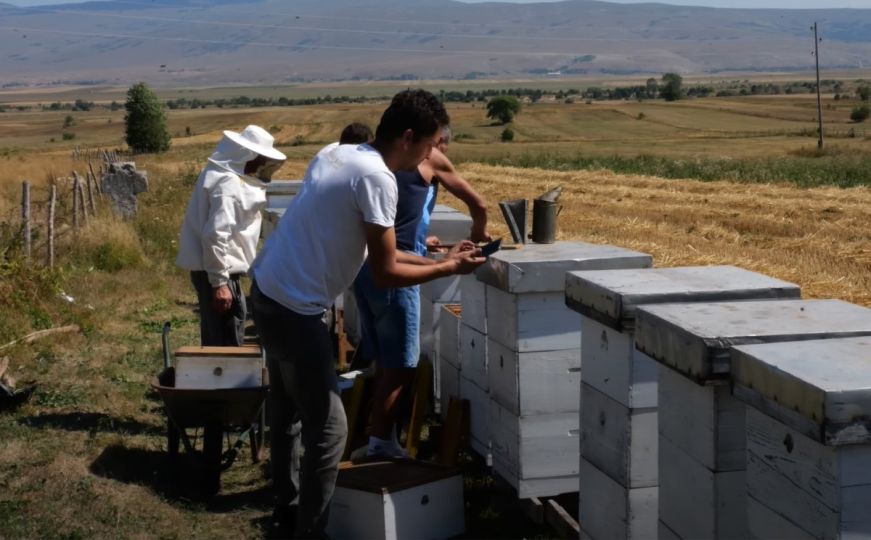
(85, 458)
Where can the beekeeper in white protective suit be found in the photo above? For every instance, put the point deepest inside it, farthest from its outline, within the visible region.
(221, 228)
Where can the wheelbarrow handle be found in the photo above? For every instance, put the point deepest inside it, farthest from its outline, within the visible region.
(164, 338)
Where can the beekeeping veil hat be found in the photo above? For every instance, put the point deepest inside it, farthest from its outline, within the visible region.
(237, 149)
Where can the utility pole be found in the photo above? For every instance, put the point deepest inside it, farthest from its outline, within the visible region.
(819, 98)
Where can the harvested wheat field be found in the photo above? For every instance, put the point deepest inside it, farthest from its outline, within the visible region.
(818, 238)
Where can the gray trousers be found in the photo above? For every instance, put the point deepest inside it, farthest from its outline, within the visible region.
(306, 410)
(220, 329)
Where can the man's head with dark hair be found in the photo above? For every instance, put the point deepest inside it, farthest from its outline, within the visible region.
(417, 110)
(356, 133)
(410, 127)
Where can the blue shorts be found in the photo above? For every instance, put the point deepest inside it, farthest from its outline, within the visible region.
(390, 322)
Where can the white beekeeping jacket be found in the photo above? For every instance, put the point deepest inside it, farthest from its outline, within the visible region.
(222, 222)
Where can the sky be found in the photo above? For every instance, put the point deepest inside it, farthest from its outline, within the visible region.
(782, 4)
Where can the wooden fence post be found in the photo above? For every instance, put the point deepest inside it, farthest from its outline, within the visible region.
(75, 202)
(97, 185)
(25, 216)
(90, 194)
(80, 182)
(51, 203)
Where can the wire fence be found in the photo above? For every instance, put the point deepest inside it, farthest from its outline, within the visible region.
(66, 206)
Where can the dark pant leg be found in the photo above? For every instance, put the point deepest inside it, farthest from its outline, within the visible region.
(235, 332)
(301, 349)
(284, 437)
(219, 329)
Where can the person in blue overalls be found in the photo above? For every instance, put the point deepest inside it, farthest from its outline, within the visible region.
(390, 318)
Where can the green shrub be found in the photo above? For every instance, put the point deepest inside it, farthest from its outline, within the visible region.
(507, 135)
(109, 246)
(860, 114)
(68, 136)
(111, 257)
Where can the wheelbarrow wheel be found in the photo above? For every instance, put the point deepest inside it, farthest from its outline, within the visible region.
(258, 437)
(213, 445)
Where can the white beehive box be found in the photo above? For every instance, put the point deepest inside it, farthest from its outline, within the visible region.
(539, 446)
(704, 426)
(449, 334)
(279, 193)
(473, 356)
(808, 436)
(433, 295)
(526, 313)
(449, 386)
(479, 416)
(449, 225)
(528, 383)
(474, 299)
(210, 368)
(444, 290)
(621, 442)
(532, 322)
(542, 267)
(614, 511)
(395, 500)
(449, 357)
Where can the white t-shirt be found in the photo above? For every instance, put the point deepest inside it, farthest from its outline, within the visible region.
(319, 244)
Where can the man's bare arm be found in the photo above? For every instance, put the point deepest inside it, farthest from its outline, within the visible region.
(411, 258)
(387, 271)
(446, 173)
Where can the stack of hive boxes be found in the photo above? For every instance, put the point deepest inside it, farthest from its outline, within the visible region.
(451, 227)
(618, 495)
(808, 437)
(703, 431)
(525, 365)
(473, 383)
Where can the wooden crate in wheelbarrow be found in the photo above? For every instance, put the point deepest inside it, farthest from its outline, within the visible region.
(210, 391)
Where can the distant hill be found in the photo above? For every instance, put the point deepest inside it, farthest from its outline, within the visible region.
(192, 42)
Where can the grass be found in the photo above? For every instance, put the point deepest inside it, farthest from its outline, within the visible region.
(821, 169)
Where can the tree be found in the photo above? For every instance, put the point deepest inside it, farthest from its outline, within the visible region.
(503, 108)
(860, 114)
(864, 92)
(672, 87)
(145, 120)
(652, 87)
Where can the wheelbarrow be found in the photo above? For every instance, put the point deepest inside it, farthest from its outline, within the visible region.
(216, 406)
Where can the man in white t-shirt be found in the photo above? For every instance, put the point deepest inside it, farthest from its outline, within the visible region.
(346, 207)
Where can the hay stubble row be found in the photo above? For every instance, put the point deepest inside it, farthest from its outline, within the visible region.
(819, 238)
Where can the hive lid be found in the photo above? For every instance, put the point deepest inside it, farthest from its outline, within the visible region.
(819, 387)
(695, 339)
(542, 267)
(243, 351)
(611, 296)
(390, 476)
